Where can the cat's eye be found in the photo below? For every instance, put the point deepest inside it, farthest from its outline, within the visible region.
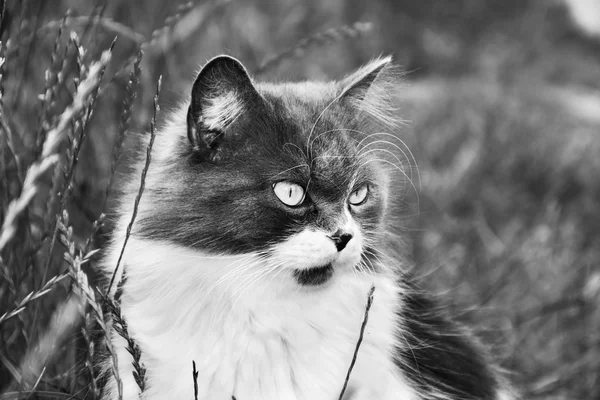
(359, 196)
(290, 194)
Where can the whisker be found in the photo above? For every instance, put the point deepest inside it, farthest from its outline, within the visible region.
(265, 272)
(289, 169)
(365, 270)
(390, 144)
(235, 277)
(412, 160)
(299, 149)
(232, 272)
(395, 263)
(329, 131)
(401, 171)
(308, 142)
(400, 165)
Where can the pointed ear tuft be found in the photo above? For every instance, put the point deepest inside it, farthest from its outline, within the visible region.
(221, 93)
(370, 89)
(357, 85)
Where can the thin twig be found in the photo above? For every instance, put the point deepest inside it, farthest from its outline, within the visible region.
(360, 338)
(319, 39)
(142, 182)
(195, 377)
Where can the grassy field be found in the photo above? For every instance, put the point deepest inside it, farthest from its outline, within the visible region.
(502, 102)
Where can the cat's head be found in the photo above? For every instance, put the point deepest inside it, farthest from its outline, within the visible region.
(293, 172)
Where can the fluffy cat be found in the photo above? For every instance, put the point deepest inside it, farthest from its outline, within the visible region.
(257, 240)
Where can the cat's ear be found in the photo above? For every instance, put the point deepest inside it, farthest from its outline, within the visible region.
(221, 93)
(370, 89)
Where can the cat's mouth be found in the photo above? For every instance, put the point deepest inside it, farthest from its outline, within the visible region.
(314, 276)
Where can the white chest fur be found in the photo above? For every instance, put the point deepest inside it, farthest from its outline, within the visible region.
(251, 334)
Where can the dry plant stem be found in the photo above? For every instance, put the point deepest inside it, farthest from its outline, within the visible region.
(360, 338)
(99, 316)
(33, 296)
(11, 368)
(120, 326)
(2, 13)
(4, 126)
(74, 153)
(49, 156)
(89, 356)
(54, 192)
(131, 94)
(51, 84)
(322, 38)
(81, 286)
(177, 27)
(88, 294)
(171, 21)
(90, 31)
(77, 143)
(187, 20)
(95, 228)
(65, 319)
(195, 378)
(74, 157)
(107, 23)
(37, 382)
(63, 323)
(9, 143)
(142, 183)
(30, 46)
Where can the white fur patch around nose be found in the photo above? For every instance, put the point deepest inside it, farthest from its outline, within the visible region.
(312, 248)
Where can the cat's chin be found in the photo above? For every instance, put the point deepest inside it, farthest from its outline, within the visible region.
(316, 276)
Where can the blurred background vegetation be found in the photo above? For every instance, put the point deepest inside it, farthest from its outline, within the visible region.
(502, 100)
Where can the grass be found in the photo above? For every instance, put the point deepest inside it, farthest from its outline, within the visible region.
(505, 134)
(508, 226)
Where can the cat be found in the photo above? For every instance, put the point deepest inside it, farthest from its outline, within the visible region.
(257, 240)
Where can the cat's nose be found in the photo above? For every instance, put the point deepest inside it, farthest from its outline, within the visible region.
(340, 239)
